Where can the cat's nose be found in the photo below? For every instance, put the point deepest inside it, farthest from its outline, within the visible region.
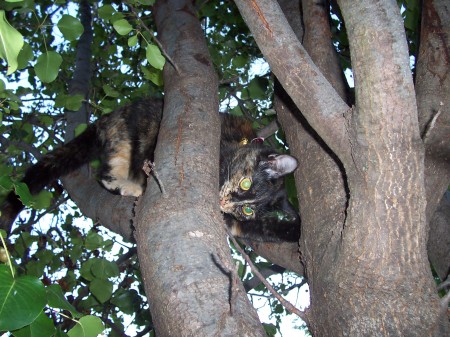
(223, 203)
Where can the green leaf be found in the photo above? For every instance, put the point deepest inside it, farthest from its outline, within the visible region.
(271, 330)
(154, 75)
(110, 91)
(93, 241)
(85, 270)
(122, 26)
(147, 2)
(24, 193)
(47, 66)
(70, 27)
(87, 326)
(21, 300)
(258, 87)
(106, 12)
(154, 56)
(132, 41)
(80, 129)
(41, 200)
(74, 102)
(126, 300)
(104, 269)
(6, 184)
(56, 299)
(11, 42)
(240, 61)
(25, 56)
(101, 289)
(46, 120)
(42, 326)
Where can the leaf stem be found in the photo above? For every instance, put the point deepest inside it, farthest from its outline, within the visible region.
(7, 254)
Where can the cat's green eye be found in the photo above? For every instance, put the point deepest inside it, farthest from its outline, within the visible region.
(245, 184)
(248, 211)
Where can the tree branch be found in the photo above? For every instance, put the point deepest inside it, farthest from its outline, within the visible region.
(299, 76)
(289, 306)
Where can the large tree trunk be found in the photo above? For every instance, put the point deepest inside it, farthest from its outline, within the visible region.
(433, 97)
(184, 257)
(367, 264)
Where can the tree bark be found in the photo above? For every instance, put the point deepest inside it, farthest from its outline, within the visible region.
(433, 95)
(377, 281)
(308, 88)
(386, 216)
(439, 240)
(319, 178)
(185, 261)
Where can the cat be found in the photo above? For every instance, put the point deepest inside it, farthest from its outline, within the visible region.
(252, 194)
(253, 198)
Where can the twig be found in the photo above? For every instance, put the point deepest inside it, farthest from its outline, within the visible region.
(153, 37)
(268, 130)
(289, 306)
(255, 281)
(149, 168)
(445, 301)
(444, 284)
(431, 124)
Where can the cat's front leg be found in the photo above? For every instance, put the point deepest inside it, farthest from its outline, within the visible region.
(122, 186)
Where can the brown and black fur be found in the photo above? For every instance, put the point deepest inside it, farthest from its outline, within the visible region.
(124, 139)
(243, 155)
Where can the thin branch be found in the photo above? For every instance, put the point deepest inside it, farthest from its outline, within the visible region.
(444, 302)
(289, 306)
(268, 130)
(21, 145)
(149, 168)
(114, 327)
(444, 284)
(152, 35)
(431, 124)
(255, 281)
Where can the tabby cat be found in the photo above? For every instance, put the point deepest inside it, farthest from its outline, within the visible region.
(252, 195)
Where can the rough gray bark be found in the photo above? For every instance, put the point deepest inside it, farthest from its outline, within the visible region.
(299, 76)
(80, 82)
(439, 240)
(319, 179)
(184, 258)
(374, 277)
(433, 95)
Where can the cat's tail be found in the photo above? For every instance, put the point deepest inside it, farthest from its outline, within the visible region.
(59, 162)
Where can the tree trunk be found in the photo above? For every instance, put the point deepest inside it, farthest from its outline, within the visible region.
(371, 277)
(433, 95)
(184, 258)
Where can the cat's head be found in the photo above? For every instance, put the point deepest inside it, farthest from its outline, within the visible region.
(252, 183)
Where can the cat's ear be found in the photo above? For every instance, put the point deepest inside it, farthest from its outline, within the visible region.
(279, 165)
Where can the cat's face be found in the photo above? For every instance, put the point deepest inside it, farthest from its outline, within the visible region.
(252, 183)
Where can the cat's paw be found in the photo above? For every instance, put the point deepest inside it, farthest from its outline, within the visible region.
(123, 187)
(131, 189)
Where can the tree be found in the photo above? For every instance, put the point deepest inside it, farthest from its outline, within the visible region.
(376, 168)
